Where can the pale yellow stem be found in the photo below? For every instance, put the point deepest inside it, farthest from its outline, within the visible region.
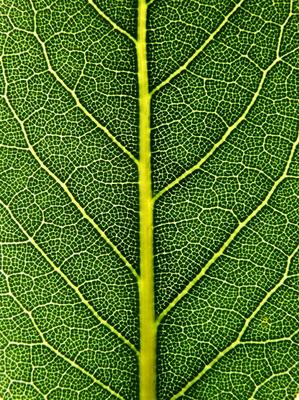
(147, 313)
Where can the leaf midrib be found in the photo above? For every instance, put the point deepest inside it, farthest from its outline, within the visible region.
(148, 332)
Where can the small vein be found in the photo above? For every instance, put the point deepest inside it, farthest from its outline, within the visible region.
(75, 97)
(67, 191)
(67, 280)
(242, 225)
(282, 373)
(14, 243)
(198, 51)
(276, 340)
(11, 147)
(112, 23)
(282, 29)
(245, 326)
(289, 52)
(61, 355)
(223, 138)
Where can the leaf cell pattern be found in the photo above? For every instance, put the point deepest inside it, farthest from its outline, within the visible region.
(219, 84)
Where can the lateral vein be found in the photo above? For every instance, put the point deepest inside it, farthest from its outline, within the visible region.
(61, 355)
(66, 189)
(245, 326)
(197, 166)
(74, 95)
(67, 280)
(242, 225)
(223, 138)
(198, 51)
(112, 23)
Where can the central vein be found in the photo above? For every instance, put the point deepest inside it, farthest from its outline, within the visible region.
(146, 289)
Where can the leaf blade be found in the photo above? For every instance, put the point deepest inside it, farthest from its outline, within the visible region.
(149, 164)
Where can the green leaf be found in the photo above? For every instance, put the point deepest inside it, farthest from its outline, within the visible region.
(149, 213)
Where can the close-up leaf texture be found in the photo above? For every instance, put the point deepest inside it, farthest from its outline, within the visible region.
(149, 199)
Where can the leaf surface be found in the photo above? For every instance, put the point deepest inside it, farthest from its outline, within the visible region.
(149, 213)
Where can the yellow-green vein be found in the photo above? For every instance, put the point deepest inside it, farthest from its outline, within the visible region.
(241, 225)
(147, 383)
(67, 280)
(273, 376)
(112, 23)
(66, 189)
(58, 353)
(74, 95)
(223, 138)
(238, 121)
(245, 326)
(7, 146)
(198, 51)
